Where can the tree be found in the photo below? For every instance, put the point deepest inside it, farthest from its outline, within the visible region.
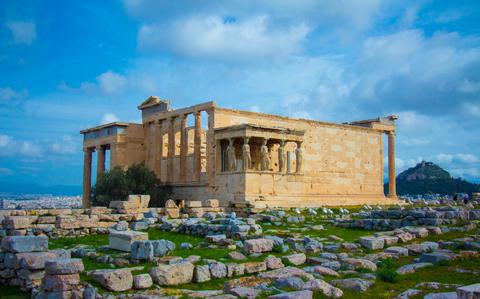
(117, 184)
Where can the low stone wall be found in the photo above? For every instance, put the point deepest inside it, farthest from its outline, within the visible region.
(396, 218)
(97, 220)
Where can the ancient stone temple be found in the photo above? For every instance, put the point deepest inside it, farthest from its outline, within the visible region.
(247, 158)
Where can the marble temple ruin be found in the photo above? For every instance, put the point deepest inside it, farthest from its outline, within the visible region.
(245, 158)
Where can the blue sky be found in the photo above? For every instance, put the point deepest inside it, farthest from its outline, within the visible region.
(69, 65)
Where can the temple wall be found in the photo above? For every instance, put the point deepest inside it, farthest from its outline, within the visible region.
(339, 161)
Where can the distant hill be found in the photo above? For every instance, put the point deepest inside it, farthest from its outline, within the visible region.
(427, 177)
(32, 188)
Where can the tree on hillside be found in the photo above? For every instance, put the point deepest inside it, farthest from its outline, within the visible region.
(117, 184)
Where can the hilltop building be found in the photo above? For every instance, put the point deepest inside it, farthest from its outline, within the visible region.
(247, 158)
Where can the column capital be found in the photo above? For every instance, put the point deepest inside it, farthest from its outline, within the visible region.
(197, 112)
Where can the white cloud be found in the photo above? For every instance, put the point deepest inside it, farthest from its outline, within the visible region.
(472, 109)
(8, 94)
(5, 171)
(109, 118)
(469, 87)
(29, 149)
(466, 158)
(24, 32)
(111, 83)
(5, 141)
(214, 37)
(65, 145)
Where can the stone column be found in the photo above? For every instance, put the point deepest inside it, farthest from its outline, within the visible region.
(158, 148)
(392, 189)
(171, 149)
(197, 162)
(299, 157)
(183, 148)
(146, 143)
(87, 176)
(100, 160)
(281, 157)
(210, 148)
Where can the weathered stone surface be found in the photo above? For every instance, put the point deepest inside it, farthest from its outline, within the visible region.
(25, 243)
(411, 268)
(201, 273)
(435, 257)
(295, 259)
(293, 283)
(17, 222)
(142, 250)
(162, 247)
(352, 284)
(60, 282)
(325, 271)
(64, 266)
(285, 272)
(30, 260)
(114, 280)
(172, 274)
(193, 204)
(397, 250)
(235, 269)
(218, 270)
(142, 281)
(237, 256)
(360, 264)
(243, 292)
(372, 242)
(326, 288)
(258, 246)
(444, 295)
(306, 294)
(273, 262)
(255, 267)
(123, 240)
(469, 291)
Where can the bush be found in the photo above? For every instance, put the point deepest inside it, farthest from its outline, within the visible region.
(388, 275)
(117, 184)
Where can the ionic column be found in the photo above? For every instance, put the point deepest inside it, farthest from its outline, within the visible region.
(146, 143)
(87, 176)
(392, 189)
(211, 148)
(183, 148)
(281, 157)
(197, 162)
(100, 160)
(171, 149)
(158, 148)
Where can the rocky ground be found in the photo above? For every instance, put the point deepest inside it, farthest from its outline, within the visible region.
(362, 252)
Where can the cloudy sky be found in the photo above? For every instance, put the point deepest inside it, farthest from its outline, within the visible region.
(69, 65)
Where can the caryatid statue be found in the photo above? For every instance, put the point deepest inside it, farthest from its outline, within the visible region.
(299, 156)
(281, 156)
(264, 156)
(247, 158)
(232, 161)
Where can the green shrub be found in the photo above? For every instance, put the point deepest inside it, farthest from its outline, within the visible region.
(117, 184)
(388, 275)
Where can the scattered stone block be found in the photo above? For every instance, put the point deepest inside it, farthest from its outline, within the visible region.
(326, 288)
(25, 243)
(296, 259)
(325, 271)
(397, 250)
(352, 284)
(360, 264)
(306, 294)
(237, 256)
(435, 257)
(201, 273)
(114, 280)
(17, 222)
(411, 268)
(255, 267)
(142, 281)
(372, 243)
(193, 204)
(217, 270)
(273, 262)
(469, 291)
(64, 266)
(257, 245)
(142, 250)
(235, 269)
(123, 240)
(60, 282)
(167, 275)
